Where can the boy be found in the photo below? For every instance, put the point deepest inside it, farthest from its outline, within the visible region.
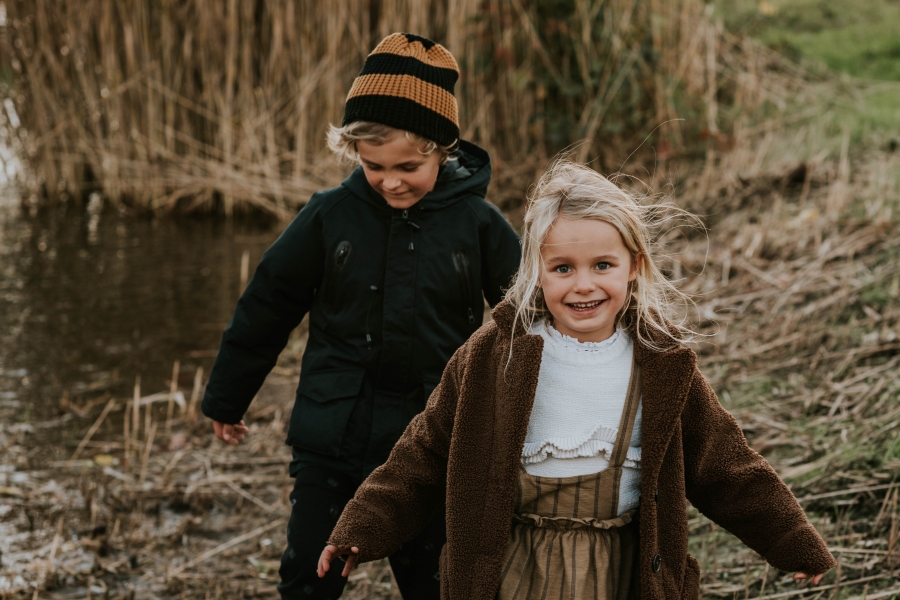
(391, 266)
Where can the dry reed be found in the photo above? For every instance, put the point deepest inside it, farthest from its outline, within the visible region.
(211, 106)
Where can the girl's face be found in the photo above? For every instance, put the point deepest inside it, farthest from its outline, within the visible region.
(398, 171)
(585, 276)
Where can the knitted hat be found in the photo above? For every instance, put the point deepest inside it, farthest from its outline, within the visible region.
(407, 83)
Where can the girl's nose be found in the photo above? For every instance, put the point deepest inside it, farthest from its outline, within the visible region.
(583, 283)
(391, 183)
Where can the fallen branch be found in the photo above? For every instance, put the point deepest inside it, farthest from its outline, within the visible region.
(847, 492)
(820, 588)
(225, 546)
(93, 429)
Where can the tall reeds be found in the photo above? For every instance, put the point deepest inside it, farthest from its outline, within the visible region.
(217, 105)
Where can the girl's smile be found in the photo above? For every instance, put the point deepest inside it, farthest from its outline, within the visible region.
(585, 278)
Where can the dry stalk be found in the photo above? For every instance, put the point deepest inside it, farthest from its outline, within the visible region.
(221, 106)
(173, 388)
(87, 437)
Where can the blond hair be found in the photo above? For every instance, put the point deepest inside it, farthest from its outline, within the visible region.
(342, 140)
(576, 192)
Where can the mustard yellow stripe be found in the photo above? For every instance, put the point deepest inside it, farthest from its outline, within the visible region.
(436, 56)
(412, 88)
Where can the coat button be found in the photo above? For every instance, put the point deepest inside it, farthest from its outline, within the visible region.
(657, 563)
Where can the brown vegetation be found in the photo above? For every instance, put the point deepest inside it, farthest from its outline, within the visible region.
(799, 272)
(215, 105)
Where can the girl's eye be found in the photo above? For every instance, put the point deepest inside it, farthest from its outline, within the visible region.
(409, 169)
(603, 266)
(563, 269)
(373, 168)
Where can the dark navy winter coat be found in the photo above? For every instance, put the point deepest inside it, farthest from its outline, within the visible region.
(391, 295)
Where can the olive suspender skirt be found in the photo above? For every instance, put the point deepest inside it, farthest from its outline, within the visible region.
(568, 541)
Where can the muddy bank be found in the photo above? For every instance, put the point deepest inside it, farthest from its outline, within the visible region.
(797, 293)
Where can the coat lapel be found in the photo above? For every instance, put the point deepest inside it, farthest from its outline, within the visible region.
(517, 379)
(666, 382)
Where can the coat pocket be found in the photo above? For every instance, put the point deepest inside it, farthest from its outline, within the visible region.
(461, 265)
(691, 588)
(341, 255)
(324, 402)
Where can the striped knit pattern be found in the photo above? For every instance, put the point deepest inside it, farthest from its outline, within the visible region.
(407, 82)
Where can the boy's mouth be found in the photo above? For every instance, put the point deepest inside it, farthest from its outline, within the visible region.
(585, 306)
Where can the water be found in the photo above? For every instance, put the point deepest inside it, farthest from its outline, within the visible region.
(90, 299)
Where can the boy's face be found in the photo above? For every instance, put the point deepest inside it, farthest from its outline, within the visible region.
(398, 171)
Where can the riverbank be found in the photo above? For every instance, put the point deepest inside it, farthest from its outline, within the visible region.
(797, 290)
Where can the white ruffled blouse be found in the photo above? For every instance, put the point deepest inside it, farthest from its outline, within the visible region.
(578, 406)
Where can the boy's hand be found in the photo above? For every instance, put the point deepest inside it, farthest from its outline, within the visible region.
(350, 556)
(815, 580)
(231, 434)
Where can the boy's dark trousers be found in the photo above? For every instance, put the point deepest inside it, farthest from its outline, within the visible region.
(317, 501)
(324, 485)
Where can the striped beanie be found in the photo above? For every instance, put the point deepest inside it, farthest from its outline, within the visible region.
(407, 83)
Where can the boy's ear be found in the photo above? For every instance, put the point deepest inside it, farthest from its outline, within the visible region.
(636, 263)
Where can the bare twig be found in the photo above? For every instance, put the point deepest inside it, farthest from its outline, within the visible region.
(87, 437)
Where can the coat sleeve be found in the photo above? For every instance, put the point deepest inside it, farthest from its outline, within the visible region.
(400, 497)
(277, 297)
(501, 252)
(734, 486)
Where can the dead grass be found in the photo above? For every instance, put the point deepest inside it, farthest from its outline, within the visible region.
(797, 281)
(797, 287)
(216, 106)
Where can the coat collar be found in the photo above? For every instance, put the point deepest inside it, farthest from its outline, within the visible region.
(666, 381)
(504, 315)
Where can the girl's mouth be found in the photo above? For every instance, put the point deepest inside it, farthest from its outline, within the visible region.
(585, 306)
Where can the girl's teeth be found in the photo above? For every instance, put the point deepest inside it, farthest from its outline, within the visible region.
(585, 304)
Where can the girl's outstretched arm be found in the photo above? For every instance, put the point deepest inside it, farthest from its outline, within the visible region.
(400, 497)
(737, 488)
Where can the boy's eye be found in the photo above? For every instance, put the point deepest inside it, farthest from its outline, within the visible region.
(603, 266)
(563, 269)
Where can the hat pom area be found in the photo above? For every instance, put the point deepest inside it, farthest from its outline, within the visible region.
(407, 82)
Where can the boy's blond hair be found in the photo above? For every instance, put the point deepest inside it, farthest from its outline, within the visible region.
(342, 140)
(577, 192)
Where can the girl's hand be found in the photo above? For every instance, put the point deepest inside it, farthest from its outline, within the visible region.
(815, 580)
(231, 434)
(350, 556)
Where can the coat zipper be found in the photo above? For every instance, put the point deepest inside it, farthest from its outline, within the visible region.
(461, 264)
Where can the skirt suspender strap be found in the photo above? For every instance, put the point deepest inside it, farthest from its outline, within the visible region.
(611, 477)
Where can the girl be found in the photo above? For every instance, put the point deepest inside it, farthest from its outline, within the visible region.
(567, 435)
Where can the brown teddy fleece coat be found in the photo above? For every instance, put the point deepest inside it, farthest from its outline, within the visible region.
(465, 449)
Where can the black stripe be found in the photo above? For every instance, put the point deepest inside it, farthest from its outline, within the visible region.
(411, 37)
(402, 113)
(392, 64)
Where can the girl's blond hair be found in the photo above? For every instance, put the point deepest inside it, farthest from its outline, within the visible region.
(342, 140)
(575, 192)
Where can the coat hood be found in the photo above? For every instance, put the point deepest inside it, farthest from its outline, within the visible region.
(468, 172)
